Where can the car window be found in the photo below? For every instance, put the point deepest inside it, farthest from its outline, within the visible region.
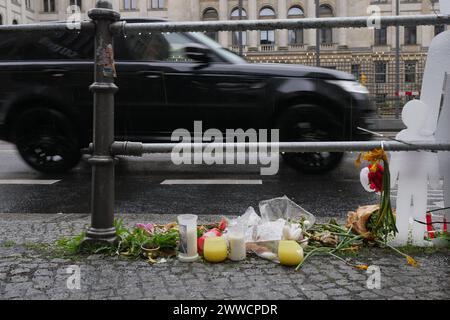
(153, 46)
(60, 45)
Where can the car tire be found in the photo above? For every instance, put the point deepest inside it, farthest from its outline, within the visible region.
(302, 123)
(46, 140)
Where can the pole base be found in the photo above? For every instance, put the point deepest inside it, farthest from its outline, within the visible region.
(96, 237)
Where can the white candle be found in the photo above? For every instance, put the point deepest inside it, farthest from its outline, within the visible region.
(191, 240)
(237, 245)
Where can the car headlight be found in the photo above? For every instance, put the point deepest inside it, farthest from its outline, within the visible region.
(350, 86)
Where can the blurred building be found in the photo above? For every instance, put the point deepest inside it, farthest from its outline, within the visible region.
(367, 53)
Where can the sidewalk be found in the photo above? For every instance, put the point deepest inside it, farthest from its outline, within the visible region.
(27, 273)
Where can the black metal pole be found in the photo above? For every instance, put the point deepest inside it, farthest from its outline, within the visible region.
(102, 201)
(241, 45)
(397, 63)
(317, 35)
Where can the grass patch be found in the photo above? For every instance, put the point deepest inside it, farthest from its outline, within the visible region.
(129, 242)
(8, 244)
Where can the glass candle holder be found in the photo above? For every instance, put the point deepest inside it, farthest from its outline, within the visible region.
(187, 250)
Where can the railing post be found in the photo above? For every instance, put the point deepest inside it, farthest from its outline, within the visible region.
(102, 161)
(398, 99)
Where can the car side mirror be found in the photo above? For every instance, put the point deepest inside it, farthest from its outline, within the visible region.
(197, 53)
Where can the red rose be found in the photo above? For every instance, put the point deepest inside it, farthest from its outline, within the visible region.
(376, 178)
(223, 224)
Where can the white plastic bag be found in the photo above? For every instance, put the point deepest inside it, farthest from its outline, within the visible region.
(284, 208)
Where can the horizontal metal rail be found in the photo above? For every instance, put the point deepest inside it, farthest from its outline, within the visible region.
(139, 149)
(48, 27)
(238, 25)
(269, 24)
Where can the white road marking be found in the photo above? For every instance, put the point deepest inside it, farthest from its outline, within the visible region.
(211, 181)
(27, 182)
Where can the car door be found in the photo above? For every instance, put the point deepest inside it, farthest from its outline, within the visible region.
(141, 95)
(218, 95)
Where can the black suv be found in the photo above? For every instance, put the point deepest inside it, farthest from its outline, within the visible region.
(166, 81)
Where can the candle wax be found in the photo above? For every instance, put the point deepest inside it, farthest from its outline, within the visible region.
(290, 253)
(237, 247)
(215, 249)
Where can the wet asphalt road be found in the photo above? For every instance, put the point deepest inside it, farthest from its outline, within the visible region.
(139, 188)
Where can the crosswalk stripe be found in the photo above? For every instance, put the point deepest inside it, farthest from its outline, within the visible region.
(211, 182)
(27, 182)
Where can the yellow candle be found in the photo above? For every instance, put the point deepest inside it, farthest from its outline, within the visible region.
(215, 249)
(290, 253)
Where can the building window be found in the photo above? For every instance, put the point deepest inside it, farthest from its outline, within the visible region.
(267, 37)
(380, 98)
(356, 71)
(158, 4)
(267, 12)
(380, 36)
(439, 29)
(326, 34)
(75, 3)
(129, 4)
(295, 35)
(29, 4)
(15, 21)
(235, 14)
(49, 6)
(411, 35)
(410, 71)
(1, 19)
(235, 35)
(211, 14)
(235, 38)
(380, 72)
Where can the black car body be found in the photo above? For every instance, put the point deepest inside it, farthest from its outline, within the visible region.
(46, 107)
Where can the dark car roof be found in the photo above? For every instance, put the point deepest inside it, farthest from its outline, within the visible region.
(289, 70)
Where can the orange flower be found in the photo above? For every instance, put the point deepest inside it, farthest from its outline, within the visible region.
(362, 267)
(411, 261)
(375, 155)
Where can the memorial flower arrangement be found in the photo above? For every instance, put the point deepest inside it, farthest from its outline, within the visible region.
(379, 223)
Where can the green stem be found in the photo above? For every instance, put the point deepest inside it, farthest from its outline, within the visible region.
(339, 258)
(307, 256)
(393, 248)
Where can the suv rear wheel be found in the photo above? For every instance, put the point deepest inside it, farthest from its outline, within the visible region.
(302, 124)
(46, 140)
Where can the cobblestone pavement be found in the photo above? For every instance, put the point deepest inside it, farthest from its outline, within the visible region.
(27, 273)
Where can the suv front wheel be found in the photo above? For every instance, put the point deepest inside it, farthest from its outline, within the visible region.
(303, 124)
(46, 140)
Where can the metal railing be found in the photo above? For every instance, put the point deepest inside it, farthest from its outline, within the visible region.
(138, 149)
(105, 23)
